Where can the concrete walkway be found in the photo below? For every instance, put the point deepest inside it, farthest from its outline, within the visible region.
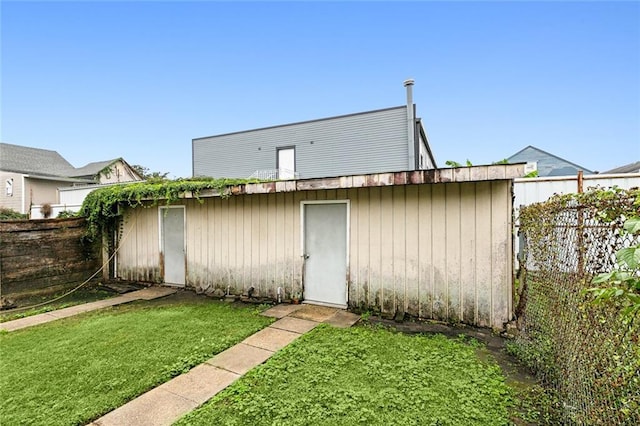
(170, 401)
(144, 294)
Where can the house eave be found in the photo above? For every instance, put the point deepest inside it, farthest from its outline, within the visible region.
(58, 178)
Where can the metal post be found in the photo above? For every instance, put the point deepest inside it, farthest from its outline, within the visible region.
(411, 126)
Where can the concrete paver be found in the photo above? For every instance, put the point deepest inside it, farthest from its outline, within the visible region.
(26, 322)
(240, 358)
(281, 311)
(201, 383)
(295, 325)
(314, 313)
(271, 339)
(151, 293)
(144, 294)
(155, 408)
(342, 319)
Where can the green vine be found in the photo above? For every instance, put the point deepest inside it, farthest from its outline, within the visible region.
(100, 207)
(568, 333)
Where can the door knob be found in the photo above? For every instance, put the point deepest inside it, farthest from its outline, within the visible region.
(305, 256)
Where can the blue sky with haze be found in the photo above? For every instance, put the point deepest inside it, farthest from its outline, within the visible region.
(99, 80)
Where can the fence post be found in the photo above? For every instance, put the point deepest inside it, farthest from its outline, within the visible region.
(580, 239)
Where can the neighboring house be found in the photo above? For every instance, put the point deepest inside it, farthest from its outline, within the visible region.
(547, 163)
(430, 243)
(33, 176)
(110, 171)
(385, 140)
(627, 168)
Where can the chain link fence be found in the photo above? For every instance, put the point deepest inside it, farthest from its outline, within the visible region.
(587, 354)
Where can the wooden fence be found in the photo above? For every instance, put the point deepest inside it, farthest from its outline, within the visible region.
(44, 255)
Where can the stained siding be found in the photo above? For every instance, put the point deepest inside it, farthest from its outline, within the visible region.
(440, 251)
(138, 258)
(357, 144)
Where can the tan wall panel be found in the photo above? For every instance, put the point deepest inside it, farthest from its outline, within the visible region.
(484, 266)
(453, 251)
(439, 253)
(426, 286)
(501, 249)
(386, 250)
(398, 248)
(468, 239)
(436, 251)
(413, 252)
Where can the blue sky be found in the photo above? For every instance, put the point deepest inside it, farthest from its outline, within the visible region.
(139, 80)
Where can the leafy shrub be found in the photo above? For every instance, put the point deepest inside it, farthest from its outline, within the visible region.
(10, 214)
(66, 214)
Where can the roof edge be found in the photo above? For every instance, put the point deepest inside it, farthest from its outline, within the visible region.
(486, 173)
(298, 122)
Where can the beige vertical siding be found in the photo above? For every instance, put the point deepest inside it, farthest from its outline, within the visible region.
(440, 251)
(138, 256)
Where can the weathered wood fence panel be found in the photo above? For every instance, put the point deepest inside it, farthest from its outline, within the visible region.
(44, 255)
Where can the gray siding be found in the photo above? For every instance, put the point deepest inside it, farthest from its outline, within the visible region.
(548, 164)
(371, 142)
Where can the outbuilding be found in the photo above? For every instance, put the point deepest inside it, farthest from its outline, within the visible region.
(434, 244)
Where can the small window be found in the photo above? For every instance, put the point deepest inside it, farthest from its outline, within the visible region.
(9, 187)
(286, 162)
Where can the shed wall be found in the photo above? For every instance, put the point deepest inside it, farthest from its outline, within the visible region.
(440, 251)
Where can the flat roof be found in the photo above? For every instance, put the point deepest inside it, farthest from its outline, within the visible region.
(492, 172)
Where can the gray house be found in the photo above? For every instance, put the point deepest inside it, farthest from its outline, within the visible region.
(547, 163)
(384, 140)
(33, 176)
(627, 168)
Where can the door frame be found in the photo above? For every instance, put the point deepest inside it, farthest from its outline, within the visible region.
(161, 242)
(347, 202)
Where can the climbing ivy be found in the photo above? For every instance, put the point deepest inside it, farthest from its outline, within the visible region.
(100, 207)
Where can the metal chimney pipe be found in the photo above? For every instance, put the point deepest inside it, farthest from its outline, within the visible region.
(411, 125)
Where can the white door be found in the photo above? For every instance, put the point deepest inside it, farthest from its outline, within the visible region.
(325, 252)
(172, 240)
(286, 163)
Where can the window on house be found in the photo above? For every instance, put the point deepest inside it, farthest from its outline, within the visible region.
(9, 187)
(286, 162)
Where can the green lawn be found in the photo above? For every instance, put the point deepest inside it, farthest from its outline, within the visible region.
(74, 370)
(365, 376)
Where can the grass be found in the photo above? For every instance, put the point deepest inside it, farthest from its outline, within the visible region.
(365, 375)
(82, 295)
(74, 370)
